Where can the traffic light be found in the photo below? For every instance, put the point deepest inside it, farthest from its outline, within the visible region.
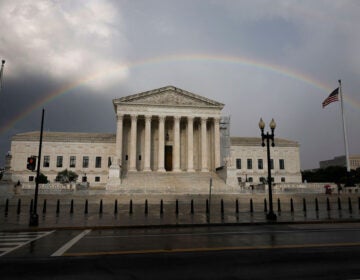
(31, 163)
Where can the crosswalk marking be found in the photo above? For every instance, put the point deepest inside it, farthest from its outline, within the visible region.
(10, 241)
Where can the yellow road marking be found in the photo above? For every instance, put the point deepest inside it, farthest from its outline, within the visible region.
(184, 250)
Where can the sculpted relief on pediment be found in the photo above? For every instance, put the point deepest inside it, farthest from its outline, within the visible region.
(169, 98)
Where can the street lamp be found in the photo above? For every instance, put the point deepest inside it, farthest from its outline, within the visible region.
(271, 215)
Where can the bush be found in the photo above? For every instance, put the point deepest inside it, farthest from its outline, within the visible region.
(66, 176)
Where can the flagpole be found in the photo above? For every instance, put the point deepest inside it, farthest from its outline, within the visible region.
(1, 74)
(344, 129)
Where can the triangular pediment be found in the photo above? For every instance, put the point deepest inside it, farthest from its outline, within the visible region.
(170, 96)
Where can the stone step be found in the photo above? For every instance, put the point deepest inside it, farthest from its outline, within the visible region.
(191, 183)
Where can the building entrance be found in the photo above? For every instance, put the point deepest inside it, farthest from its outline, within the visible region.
(168, 158)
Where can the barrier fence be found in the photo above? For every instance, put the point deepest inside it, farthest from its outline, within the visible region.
(189, 207)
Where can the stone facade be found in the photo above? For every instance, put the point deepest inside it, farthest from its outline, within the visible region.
(87, 154)
(248, 161)
(341, 161)
(164, 137)
(166, 129)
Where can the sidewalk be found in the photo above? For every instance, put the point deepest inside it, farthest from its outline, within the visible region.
(117, 214)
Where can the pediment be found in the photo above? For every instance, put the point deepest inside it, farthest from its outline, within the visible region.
(170, 96)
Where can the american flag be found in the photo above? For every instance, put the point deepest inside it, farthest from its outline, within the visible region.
(334, 96)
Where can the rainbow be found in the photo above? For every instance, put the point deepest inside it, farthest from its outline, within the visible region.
(236, 60)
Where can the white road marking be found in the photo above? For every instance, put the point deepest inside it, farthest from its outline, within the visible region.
(69, 244)
(30, 237)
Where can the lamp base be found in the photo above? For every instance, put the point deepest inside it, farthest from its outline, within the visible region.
(271, 216)
(34, 220)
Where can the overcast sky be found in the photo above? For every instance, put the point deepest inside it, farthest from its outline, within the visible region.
(269, 58)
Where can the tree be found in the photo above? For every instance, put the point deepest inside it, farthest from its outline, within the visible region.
(336, 174)
(66, 176)
(43, 179)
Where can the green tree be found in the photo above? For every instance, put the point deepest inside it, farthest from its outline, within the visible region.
(66, 176)
(43, 179)
(336, 174)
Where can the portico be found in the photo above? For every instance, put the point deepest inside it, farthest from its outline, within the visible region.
(166, 130)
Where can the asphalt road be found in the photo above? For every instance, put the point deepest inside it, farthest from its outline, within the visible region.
(308, 251)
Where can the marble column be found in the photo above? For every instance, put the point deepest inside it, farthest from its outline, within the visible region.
(161, 149)
(119, 136)
(204, 156)
(217, 142)
(190, 144)
(147, 143)
(176, 159)
(133, 135)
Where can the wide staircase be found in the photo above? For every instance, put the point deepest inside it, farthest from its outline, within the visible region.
(173, 183)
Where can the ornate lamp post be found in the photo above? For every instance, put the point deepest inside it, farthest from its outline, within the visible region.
(271, 215)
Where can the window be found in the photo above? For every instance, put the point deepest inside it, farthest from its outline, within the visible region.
(109, 161)
(98, 162)
(97, 179)
(283, 179)
(272, 180)
(262, 180)
(85, 162)
(238, 163)
(46, 161)
(59, 161)
(84, 179)
(271, 163)
(250, 179)
(72, 161)
(239, 179)
(282, 164)
(260, 164)
(31, 178)
(249, 163)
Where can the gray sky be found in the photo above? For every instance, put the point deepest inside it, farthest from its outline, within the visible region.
(266, 58)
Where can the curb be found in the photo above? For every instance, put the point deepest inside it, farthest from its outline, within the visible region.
(336, 221)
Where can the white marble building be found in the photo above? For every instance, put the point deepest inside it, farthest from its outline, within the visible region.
(248, 161)
(162, 131)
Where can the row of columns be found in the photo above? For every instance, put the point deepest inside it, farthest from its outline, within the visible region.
(176, 145)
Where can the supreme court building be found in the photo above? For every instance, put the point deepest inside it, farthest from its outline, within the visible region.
(170, 136)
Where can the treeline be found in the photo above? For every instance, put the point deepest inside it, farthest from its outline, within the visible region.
(335, 174)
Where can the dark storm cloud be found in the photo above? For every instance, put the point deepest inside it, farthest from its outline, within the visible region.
(108, 49)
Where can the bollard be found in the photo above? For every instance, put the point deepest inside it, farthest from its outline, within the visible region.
(100, 207)
(177, 207)
(291, 205)
(222, 207)
(339, 203)
(327, 204)
(115, 206)
(279, 205)
(18, 207)
(350, 205)
(316, 205)
(304, 204)
(146, 207)
(207, 206)
(237, 206)
(131, 207)
(72, 207)
(6, 207)
(58, 207)
(161, 207)
(265, 205)
(31, 206)
(86, 206)
(251, 206)
(44, 207)
(192, 207)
